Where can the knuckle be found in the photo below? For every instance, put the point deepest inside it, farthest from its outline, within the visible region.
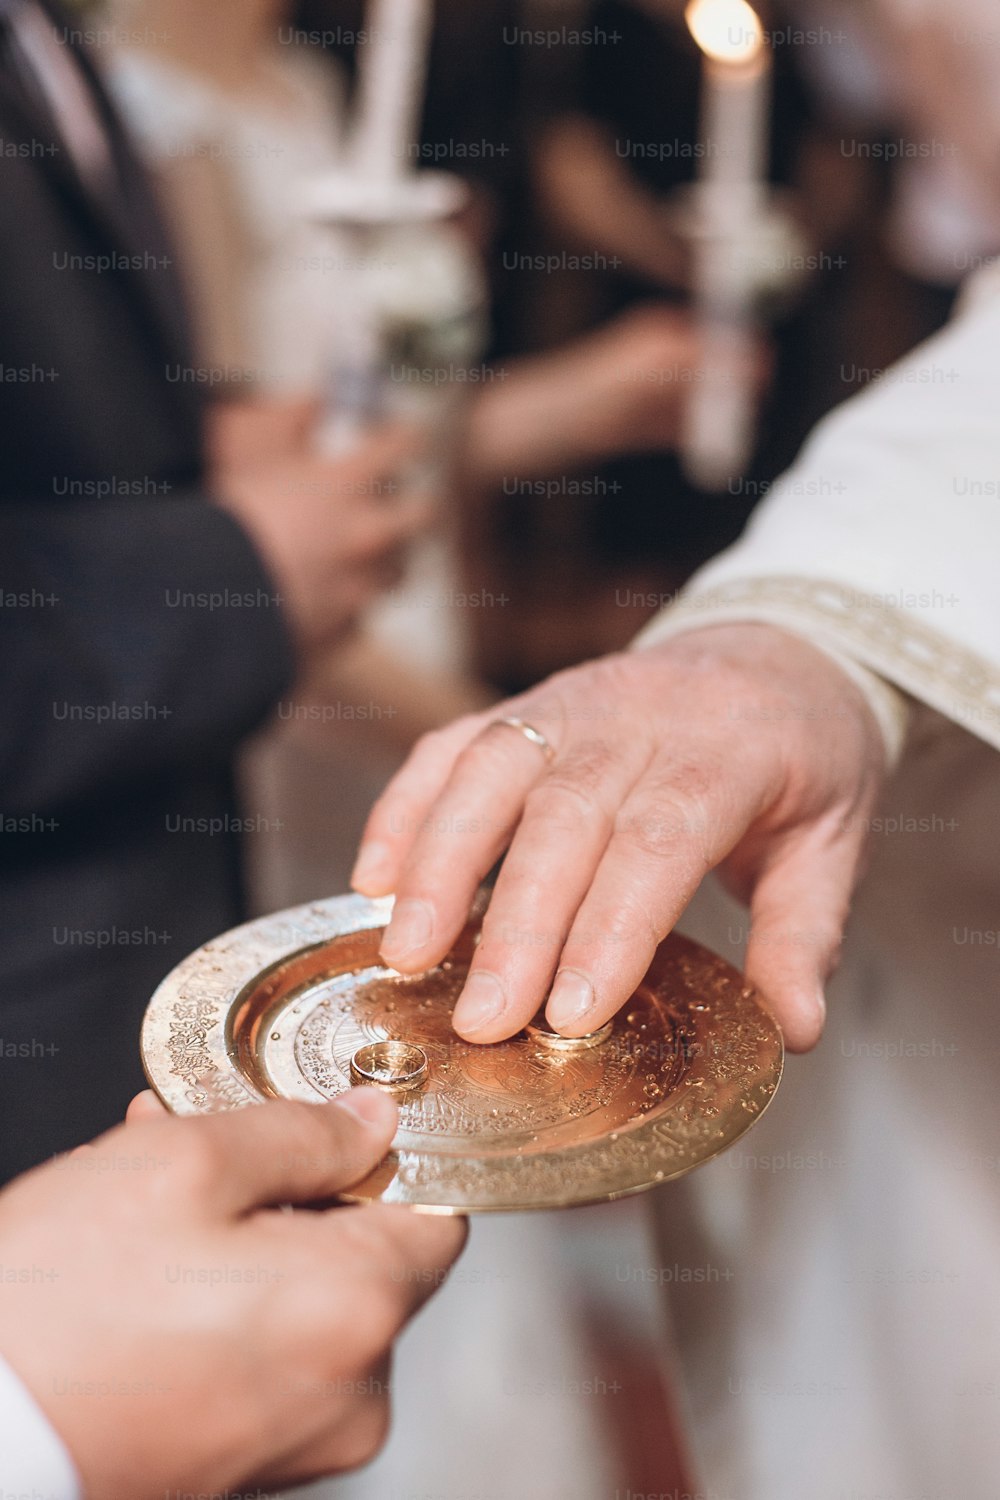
(561, 804)
(292, 1304)
(197, 1160)
(311, 1135)
(462, 729)
(585, 765)
(489, 755)
(379, 810)
(363, 1434)
(833, 956)
(661, 827)
(432, 1243)
(443, 1239)
(437, 744)
(674, 813)
(385, 1309)
(629, 922)
(394, 819)
(429, 747)
(384, 1273)
(692, 779)
(617, 677)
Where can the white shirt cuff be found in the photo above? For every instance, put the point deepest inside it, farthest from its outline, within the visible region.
(34, 1463)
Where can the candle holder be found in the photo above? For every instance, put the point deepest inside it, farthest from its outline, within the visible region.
(749, 266)
(414, 304)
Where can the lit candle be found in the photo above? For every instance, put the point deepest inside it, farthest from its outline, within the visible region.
(736, 94)
(736, 97)
(392, 71)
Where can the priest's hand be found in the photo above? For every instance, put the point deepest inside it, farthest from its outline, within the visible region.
(739, 747)
(182, 1334)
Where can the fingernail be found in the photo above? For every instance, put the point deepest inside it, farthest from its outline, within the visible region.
(371, 865)
(411, 928)
(368, 1105)
(482, 1001)
(571, 998)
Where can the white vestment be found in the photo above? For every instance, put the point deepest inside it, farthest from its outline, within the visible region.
(849, 1347)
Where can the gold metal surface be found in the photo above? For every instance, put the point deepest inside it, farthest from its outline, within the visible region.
(292, 1004)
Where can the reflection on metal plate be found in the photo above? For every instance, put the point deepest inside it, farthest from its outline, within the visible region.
(299, 1006)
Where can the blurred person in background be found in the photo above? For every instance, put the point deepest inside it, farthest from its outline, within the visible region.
(236, 112)
(887, 169)
(614, 138)
(196, 589)
(562, 396)
(236, 115)
(231, 123)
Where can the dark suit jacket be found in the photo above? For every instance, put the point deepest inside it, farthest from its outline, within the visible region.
(124, 687)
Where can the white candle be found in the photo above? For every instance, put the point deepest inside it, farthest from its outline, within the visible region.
(735, 99)
(392, 72)
(732, 182)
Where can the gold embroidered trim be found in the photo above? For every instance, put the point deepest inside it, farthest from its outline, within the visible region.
(869, 627)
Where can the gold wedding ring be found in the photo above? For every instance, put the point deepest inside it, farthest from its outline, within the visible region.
(392, 1065)
(530, 733)
(541, 1032)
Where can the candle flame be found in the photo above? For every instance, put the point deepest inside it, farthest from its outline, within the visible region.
(728, 31)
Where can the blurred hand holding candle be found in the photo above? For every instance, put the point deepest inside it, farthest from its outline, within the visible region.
(413, 296)
(412, 316)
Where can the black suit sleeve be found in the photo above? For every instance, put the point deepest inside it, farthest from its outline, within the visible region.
(136, 639)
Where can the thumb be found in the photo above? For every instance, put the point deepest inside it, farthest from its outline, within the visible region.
(798, 910)
(284, 1152)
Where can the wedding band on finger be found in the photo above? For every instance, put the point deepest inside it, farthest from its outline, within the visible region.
(530, 733)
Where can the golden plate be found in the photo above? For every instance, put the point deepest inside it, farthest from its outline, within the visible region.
(296, 1005)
